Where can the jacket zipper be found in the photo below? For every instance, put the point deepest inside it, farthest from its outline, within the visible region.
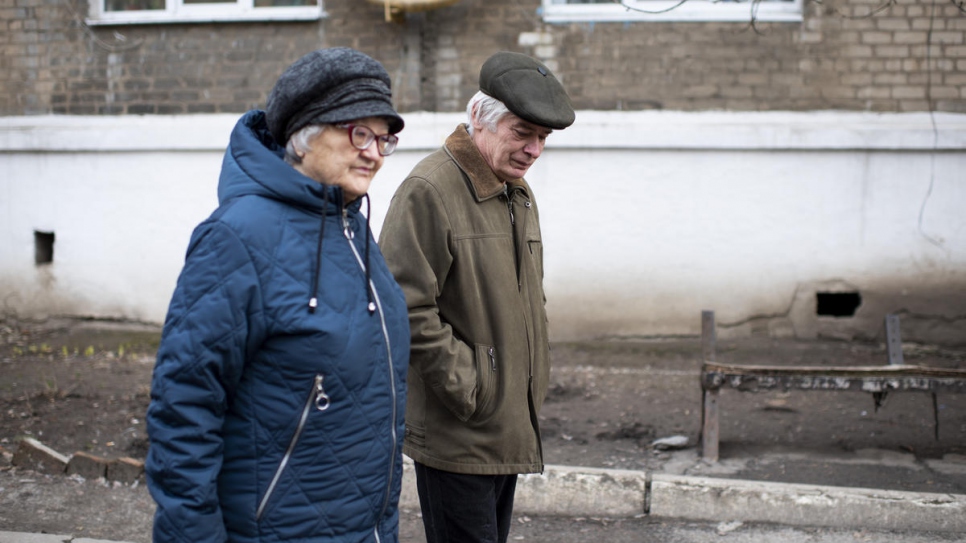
(347, 230)
(320, 399)
(509, 204)
(534, 421)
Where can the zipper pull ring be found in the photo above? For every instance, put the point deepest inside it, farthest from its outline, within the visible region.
(322, 400)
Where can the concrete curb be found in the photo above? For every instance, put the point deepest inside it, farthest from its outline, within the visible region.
(591, 492)
(608, 493)
(702, 498)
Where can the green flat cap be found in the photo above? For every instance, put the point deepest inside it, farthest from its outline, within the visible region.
(528, 88)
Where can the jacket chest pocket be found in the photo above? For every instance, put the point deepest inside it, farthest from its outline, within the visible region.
(535, 247)
(534, 241)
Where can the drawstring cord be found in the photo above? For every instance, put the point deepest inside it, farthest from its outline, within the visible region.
(372, 305)
(314, 300)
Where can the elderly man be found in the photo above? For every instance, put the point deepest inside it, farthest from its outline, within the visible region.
(462, 237)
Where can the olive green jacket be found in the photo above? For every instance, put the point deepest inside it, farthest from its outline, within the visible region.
(467, 251)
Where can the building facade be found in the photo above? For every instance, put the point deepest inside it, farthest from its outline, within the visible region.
(756, 158)
(854, 55)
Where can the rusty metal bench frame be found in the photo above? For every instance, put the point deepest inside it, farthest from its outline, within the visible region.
(877, 380)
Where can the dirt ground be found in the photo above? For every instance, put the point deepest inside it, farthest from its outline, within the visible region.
(80, 385)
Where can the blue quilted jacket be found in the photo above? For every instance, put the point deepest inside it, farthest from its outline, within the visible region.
(271, 420)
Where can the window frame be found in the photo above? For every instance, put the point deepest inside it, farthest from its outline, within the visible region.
(670, 11)
(176, 11)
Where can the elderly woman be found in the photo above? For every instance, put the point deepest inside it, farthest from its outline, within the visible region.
(277, 400)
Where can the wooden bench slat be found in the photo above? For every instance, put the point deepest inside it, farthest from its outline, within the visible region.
(885, 371)
(874, 379)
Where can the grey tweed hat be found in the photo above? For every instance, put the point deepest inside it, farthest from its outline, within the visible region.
(331, 85)
(528, 89)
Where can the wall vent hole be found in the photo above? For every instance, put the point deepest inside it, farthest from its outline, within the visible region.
(43, 247)
(837, 304)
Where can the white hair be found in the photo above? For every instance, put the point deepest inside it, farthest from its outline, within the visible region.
(298, 143)
(488, 111)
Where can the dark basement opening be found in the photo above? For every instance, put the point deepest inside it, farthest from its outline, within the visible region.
(837, 304)
(43, 247)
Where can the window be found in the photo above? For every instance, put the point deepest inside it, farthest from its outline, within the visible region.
(567, 11)
(104, 12)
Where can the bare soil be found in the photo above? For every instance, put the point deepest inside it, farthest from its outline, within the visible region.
(82, 385)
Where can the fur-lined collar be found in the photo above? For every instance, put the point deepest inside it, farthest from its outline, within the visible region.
(485, 183)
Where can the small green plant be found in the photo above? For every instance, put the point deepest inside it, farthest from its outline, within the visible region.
(51, 389)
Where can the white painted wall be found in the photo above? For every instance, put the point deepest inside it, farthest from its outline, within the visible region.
(648, 217)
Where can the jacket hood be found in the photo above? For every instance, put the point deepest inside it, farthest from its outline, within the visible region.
(254, 165)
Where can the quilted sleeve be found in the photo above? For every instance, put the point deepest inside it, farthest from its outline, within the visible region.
(215, 307)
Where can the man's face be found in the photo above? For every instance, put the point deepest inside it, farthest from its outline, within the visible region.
(513, 147)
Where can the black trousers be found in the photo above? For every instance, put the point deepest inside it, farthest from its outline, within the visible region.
(459, 508)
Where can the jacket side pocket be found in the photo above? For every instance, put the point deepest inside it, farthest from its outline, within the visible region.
(320, 400)
(487, 382)
(416, 435)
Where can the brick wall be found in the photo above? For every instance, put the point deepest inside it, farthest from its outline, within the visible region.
(847, 54)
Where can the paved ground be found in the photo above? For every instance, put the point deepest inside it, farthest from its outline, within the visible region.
(78, 507)
(82, 386)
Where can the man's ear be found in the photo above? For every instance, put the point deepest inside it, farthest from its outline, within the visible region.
(475, 118)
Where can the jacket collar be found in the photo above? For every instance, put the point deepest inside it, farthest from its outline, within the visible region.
(483, 181)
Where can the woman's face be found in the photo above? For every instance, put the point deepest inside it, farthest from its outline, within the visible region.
(331, 159)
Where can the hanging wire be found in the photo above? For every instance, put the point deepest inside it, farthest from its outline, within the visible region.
(632, 8)
(960, 4)
(754, 16)
(753, 20)
(935, 129)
